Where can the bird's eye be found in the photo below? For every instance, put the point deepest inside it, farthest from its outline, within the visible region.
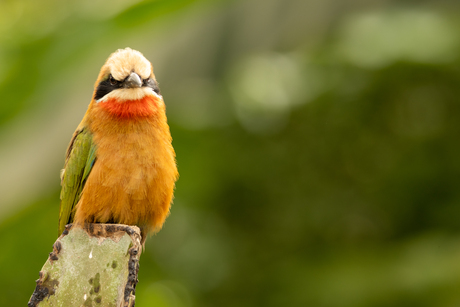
(112, 80)
(150, 82)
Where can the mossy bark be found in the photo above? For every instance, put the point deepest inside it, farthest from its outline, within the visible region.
(92, 266)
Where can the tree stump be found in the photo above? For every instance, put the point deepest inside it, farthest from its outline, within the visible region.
(92, 266)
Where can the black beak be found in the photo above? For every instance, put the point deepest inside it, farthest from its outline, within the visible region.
(132, 81)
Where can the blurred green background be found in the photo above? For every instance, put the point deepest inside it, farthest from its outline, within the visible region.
(317, 143)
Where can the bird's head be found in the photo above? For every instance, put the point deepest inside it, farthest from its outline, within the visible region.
(126, 83)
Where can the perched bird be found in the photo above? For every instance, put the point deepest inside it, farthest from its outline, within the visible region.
(120, 165)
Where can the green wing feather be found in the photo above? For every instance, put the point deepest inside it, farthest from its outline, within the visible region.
(81, 156)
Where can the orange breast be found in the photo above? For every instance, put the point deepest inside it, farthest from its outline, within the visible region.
(133, 178)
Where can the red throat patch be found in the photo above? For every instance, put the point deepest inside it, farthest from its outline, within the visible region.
(143, 107)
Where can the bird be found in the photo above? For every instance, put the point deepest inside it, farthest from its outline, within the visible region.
(120, 166)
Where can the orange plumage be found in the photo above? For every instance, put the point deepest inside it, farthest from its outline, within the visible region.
(133, 174)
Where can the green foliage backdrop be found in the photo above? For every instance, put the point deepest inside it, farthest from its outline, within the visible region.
(317, 143)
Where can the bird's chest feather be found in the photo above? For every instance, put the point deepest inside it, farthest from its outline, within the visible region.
(130, 156)
(127, 160)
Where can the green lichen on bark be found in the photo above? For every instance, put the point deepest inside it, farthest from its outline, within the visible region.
(90, 267)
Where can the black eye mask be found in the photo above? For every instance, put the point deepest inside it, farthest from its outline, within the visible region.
(110, 84)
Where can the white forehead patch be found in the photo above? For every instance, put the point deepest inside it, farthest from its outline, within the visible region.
(125, 61)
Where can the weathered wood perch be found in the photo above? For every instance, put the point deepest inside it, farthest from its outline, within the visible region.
(94, 266)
